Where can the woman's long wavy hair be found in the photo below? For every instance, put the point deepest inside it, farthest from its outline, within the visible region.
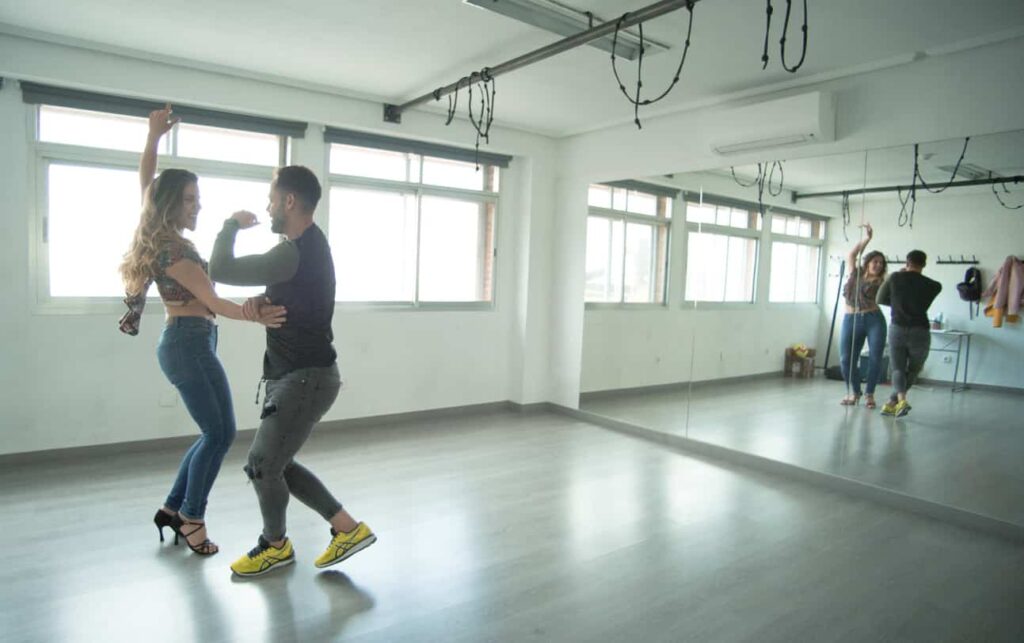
(158, 223)
(868, 258)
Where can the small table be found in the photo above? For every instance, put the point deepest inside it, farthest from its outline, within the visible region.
(955, 341)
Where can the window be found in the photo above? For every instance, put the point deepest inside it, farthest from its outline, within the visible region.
(92, 212)
(797, 226)
(408, 228)
(94, 129)
(128, 133)
(796, 260)
(89, 179)
(794, 273)
(627, 245)
(721, 252)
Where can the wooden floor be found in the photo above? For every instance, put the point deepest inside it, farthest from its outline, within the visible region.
(498, 527)
(959, 449)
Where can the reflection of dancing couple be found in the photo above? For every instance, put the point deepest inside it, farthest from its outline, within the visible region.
(299, 364)
(909, 294)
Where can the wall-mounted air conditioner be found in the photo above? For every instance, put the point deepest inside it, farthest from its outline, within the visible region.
(784, 122)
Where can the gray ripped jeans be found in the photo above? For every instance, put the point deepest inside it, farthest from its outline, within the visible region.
(293, 406)
(908, 350)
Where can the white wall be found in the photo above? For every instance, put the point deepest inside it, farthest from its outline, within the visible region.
(72, 380)
(955, 223)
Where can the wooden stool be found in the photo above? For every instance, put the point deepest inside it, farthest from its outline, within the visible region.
(803, 366)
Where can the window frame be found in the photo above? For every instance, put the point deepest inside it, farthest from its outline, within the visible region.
(419, 190)
(727, 231)
(818, 242)
(656, 222)
(45, 154)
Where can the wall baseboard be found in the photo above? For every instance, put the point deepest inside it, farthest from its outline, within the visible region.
(995, 388)
(244, 436)
(673, 386)
(408, 417)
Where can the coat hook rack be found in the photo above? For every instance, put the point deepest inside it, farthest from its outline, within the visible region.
(962, 261)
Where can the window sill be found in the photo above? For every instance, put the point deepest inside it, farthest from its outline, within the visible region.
(601, 305)
(406, 306)
(718, 305)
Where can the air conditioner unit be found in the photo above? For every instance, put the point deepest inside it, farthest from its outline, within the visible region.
(785, 122)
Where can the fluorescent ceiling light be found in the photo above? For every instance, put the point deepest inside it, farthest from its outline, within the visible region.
(968, 171)
(765, 143)
(564, 20)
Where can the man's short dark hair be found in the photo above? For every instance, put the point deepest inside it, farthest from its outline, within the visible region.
(300, 181)
(917, 258)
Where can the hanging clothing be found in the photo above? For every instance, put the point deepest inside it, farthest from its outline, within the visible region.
(1005, 292)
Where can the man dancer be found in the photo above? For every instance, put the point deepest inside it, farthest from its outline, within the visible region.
(299, 366)
(909, 293)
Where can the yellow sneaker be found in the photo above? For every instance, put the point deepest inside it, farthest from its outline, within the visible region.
(901, 409)
(344, 544)
(889, 408)
(264, 557)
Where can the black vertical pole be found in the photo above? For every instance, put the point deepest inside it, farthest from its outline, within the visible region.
(835, 309)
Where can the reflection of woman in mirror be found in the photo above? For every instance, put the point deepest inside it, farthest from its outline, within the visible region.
(863, 321)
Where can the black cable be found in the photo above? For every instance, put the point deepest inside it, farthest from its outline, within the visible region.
(762, 172)
(482, 124)
(637, 101)
(639, 78)
(452, 105)
(956, 168)
(781, 178)
(906, 217)
(767, 29)
(782, 43)
(765, 172)
(1005, 191)
(739, 183)
(846, 215)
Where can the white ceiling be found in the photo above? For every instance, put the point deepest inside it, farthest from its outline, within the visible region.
(397, 50)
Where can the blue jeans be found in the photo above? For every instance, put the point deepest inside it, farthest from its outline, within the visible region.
(858, 327)
(188, 357)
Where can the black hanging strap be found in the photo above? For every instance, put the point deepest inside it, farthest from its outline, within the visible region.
(636, 100)
(782, 42)
(767, 28)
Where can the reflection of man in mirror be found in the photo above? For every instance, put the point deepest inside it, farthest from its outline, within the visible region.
(909, 294)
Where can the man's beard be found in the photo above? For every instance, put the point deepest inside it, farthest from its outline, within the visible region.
(277, 225)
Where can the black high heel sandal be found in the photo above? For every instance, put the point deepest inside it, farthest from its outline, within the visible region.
(205, 548)
(163, 519)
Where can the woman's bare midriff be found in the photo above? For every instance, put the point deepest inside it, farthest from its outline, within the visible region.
(850, 310)
(194, 308)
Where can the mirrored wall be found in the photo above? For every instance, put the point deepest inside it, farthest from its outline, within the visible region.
(720, 304)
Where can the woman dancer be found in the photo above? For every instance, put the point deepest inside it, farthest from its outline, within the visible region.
(863, 321)
(187, 348)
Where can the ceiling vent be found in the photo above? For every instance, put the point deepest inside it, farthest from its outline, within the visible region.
(560, 18)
